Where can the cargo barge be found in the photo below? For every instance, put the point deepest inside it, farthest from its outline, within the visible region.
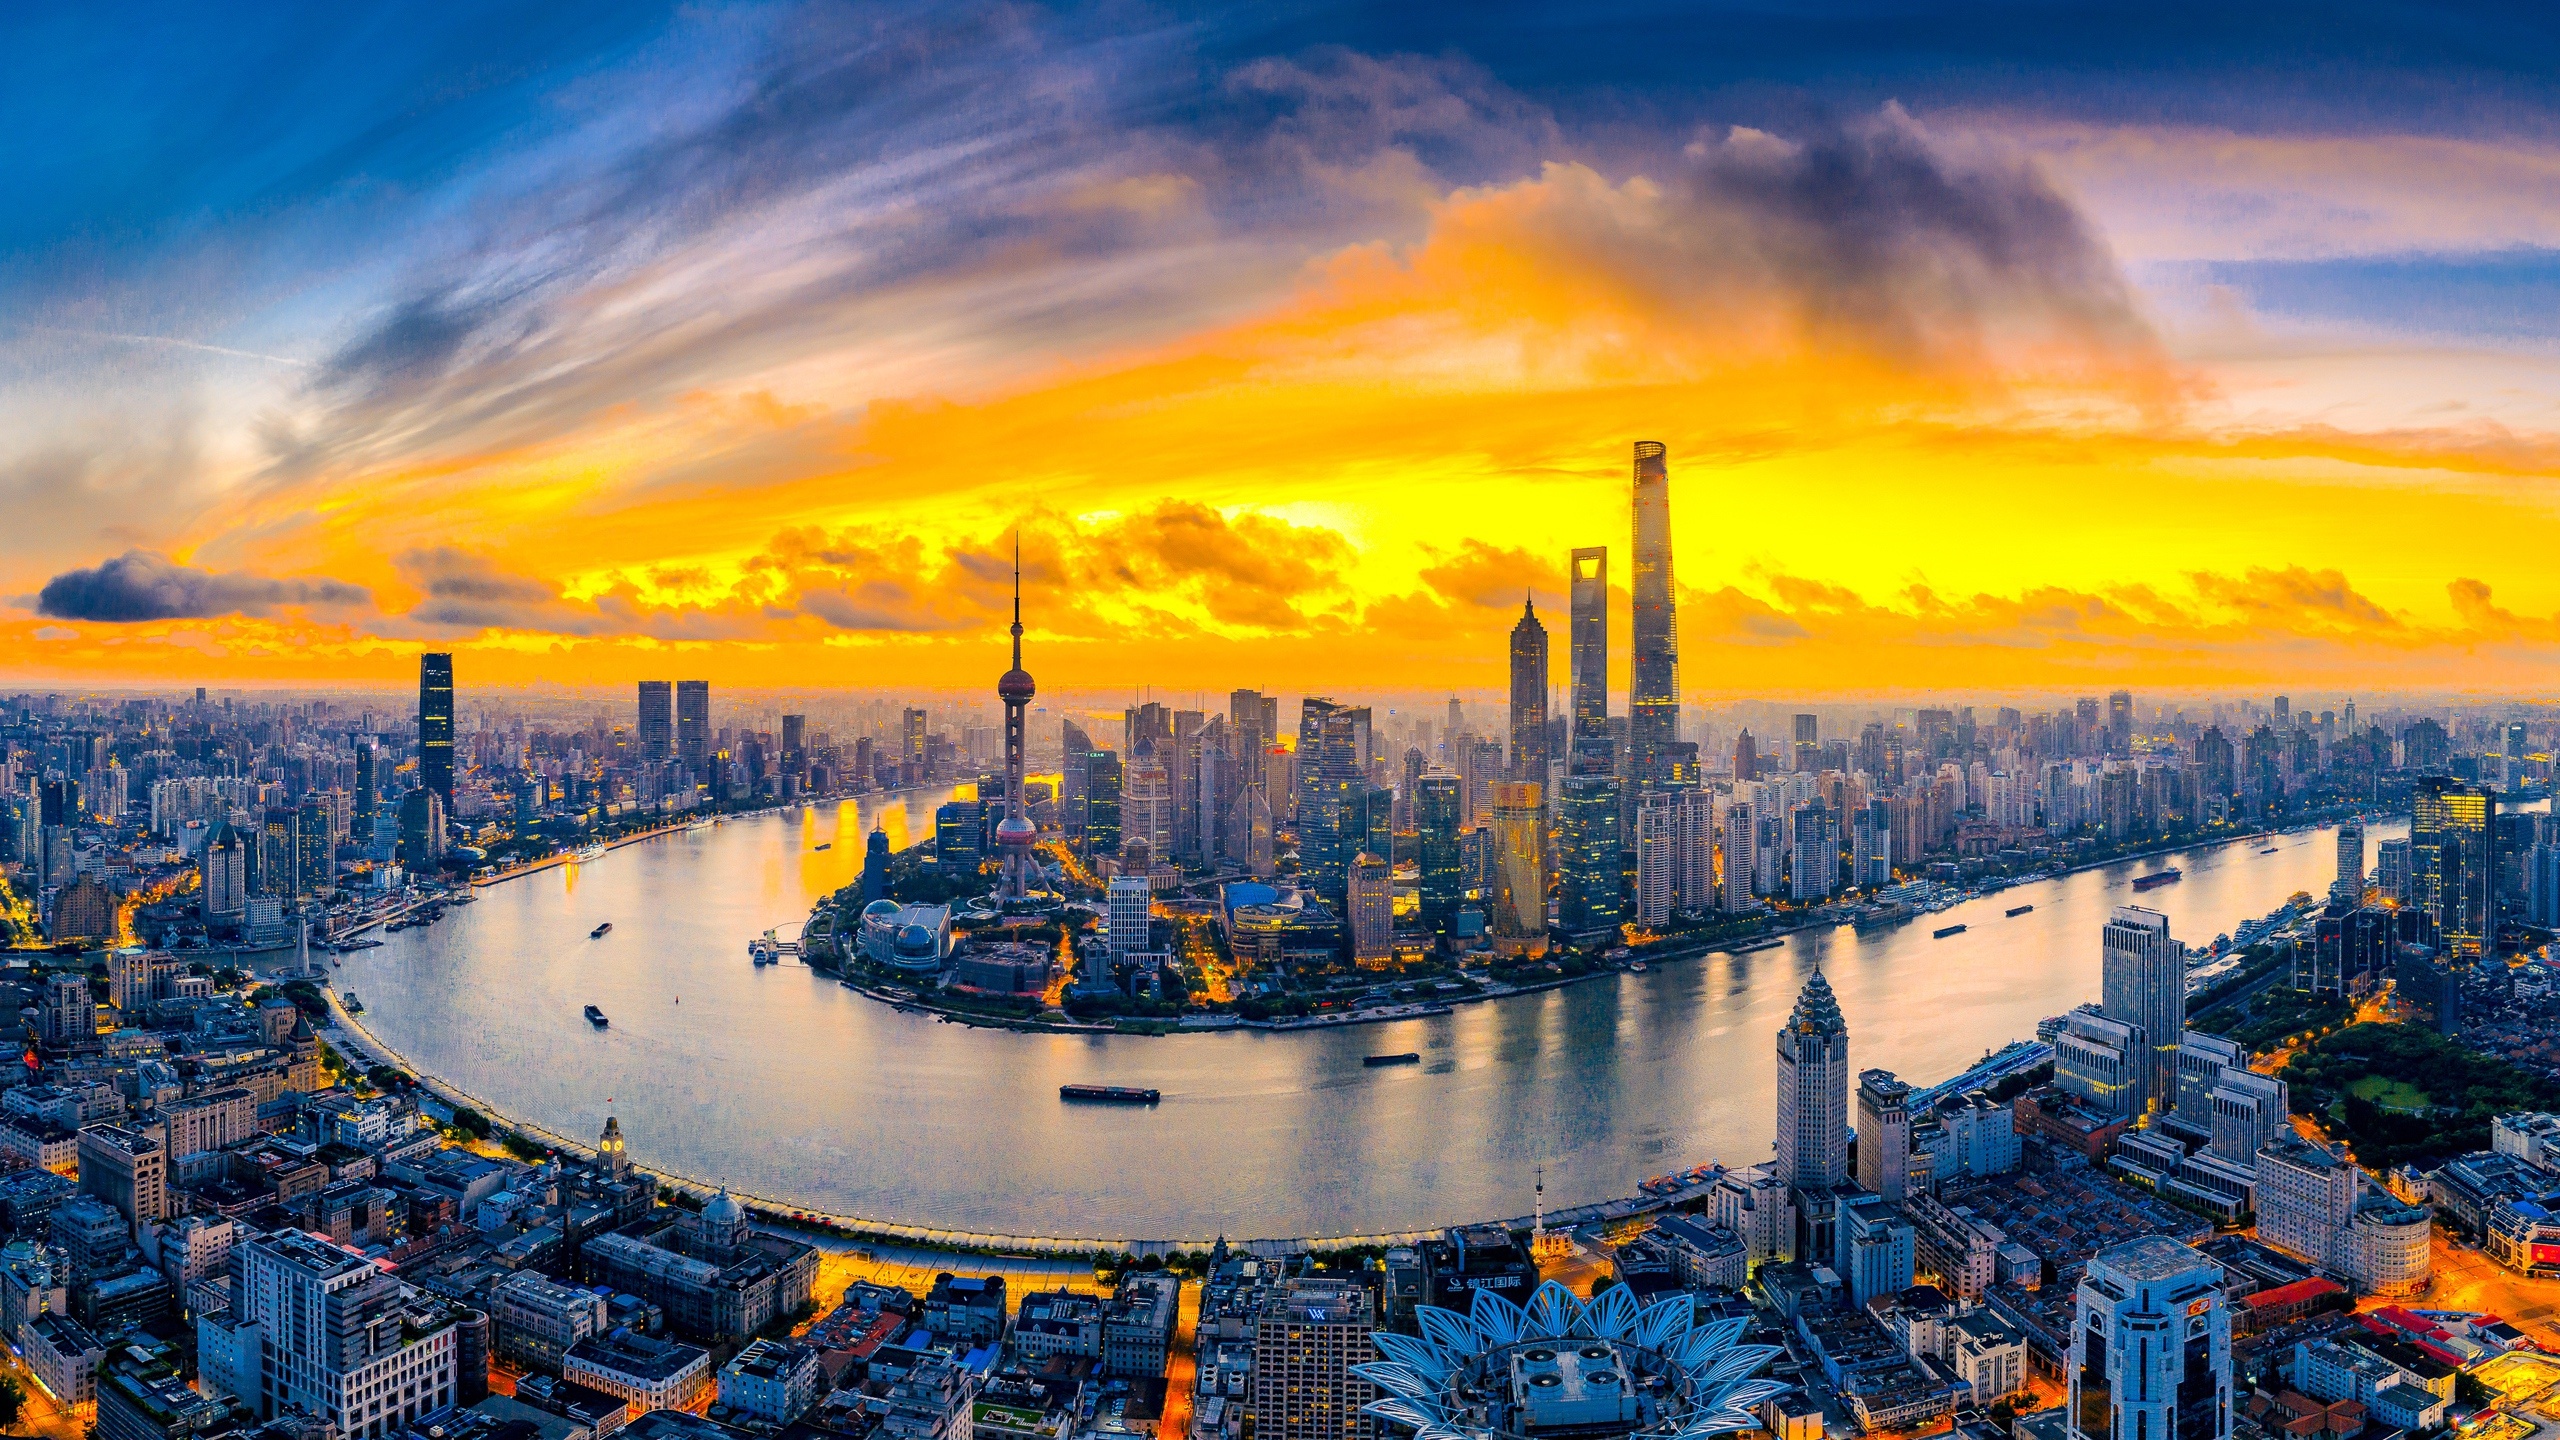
(1110, 1094)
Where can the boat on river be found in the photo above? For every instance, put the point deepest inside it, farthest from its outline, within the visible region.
(601, 931)
(2158, 878)
(1409, 1057)
(596, 1018)
(2017, 910)
(1110, 1094)
(587, 852)
(1947, 931)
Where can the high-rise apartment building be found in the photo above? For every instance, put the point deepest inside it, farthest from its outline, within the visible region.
(2452, 863)
(2143, 984)
(1529, 696)
(435, 726)
(1741, 855)
(1653, 706)
(657, 720)
(1807, 755)
(1675, 853)
(2349, 885)
(693, 725)
(1814, 858)
(2150, 1357)
(1591, 748)
(2391, 869)
(1813, 1091)
(1308, 1334)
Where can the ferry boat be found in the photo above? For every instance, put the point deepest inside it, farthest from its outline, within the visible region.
(822, 845)
(2158, 878)
(1409, 1057)
(1947, 931)
(601, 931)
(1110, 1094)
(2270, 850)
(588, 852)
(596, 1018)
(692, 825)
(2017, 910)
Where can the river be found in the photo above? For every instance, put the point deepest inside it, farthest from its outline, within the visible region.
(784, 1084)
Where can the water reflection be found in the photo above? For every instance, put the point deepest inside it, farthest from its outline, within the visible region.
(783, 1083)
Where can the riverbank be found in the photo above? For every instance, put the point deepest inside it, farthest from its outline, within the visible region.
(1658, 952)
(360, 1046)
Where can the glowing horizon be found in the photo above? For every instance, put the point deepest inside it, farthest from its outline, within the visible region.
(734, 342)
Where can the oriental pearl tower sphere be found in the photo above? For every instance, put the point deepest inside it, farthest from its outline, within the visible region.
(1015, 834)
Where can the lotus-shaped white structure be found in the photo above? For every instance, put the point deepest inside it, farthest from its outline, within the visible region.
(1647, 1371)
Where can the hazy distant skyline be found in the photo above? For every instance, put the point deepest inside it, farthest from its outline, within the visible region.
(1997, 349)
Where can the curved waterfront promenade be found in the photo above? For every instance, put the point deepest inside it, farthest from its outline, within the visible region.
(785, 1085)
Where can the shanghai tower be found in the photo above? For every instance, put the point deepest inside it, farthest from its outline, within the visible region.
(1653, 708)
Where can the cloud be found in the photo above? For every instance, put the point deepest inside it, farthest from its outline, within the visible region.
(142, 585)
(466, 593)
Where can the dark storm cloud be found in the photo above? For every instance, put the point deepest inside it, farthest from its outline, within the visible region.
(1874, 229)
(142, 585)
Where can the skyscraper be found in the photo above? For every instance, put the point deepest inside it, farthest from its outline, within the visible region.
(1529, 696)
(1015, 834)
(435, 726)
(1076, 750)
(1519, 919)
(657, 720)
(1653, 706)
(1591, 864)
(2143, 983)
(2349, 886)
(1808, 751)
(1372, 909)
(1591, 748)
(1813, 1090)
(2150, 1356)
(2120, 722)
(1330, 787)
(1439, 803)
(1746, 757)
(693, 725)
(2452, 873)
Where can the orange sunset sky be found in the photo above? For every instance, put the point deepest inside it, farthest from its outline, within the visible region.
(739, 341)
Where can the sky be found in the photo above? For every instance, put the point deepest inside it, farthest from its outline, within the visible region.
(2014, 347)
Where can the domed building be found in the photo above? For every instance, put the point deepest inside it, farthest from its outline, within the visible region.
(911, 938)
(714, 1274)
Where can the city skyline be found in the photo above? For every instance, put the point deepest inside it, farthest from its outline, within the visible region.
(1314, 339)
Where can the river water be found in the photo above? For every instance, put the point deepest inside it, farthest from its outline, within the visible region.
(784, 1084)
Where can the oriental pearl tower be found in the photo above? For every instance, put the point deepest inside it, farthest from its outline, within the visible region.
(1015, 834)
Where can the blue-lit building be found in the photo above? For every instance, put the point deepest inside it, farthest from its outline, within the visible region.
(960, 835)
